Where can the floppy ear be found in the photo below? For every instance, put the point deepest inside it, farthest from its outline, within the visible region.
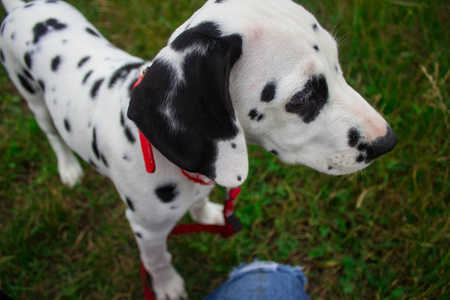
(183, 105)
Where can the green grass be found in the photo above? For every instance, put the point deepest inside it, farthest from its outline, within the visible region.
(380, 234)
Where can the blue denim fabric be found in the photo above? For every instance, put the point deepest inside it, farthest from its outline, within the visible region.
(262, 280)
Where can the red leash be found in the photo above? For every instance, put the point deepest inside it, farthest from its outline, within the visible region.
(232, 223)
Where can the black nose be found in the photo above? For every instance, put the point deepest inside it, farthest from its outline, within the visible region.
(382, 145)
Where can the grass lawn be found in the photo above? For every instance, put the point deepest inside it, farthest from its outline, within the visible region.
(380, 234)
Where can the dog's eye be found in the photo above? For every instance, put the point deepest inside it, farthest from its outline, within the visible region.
(301, 98)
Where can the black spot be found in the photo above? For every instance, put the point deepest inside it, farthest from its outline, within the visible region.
(43, 28)
(122, 73)
(129, 203)
(274, 152)
(255, 115)
(353, 137)
(316, 48)
(28, 5)
(92, 163)
(105, 162)
(67, 125)
(28, 60)
(126, 130)
(167, 193)
(94, 144)
(362, 147)
(13, 36)
(25, 84)
(3, 28)
(56, 61)
(219, 1)
(2, 56)
(64, 41)
(239, 178)
(91, 31)
(360, 158)
(315, 27)
(51, 1)
(138, 235)
(269, 92)
(308, 103)
(336, 68)
(87, 76)
(233, 145)
(41, 83)
(83, 61)
(330, 168)
(199, 34)
(96, 87)
(27, 74)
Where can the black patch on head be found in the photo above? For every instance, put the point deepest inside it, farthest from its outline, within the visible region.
(353, 137)
(56, 61)
(167, 193)
(41, 83)
(94, 144)
(269, 92)
(126, 129)
(255, 115)
(308, 103)
(28, 60)
(43, 28)
(67, 125)
(315, 27)
(83, 61)
(129, 203)
(200, 104)
(122, 73)
(25, 84)
(199, 34)
(91, 31)
(2, 56)
(96, 87)
(87, 76)
(316, 48)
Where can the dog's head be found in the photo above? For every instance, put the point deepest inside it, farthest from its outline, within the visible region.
(262, 72)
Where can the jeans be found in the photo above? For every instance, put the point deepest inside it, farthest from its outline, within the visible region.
(263, 280)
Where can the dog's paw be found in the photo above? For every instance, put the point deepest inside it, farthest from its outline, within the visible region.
(70, 170)
(208, 213)
(171, 288)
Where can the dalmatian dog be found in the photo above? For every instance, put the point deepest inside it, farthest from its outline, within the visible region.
(237, 72)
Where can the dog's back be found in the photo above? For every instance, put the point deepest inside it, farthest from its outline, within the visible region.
(71, 77)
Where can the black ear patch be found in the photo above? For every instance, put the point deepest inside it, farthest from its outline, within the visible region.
(309, 102)
(186, 114)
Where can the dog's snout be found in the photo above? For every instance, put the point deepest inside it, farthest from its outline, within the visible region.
(384, 144)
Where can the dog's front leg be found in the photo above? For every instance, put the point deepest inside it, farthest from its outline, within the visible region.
(152, 242)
